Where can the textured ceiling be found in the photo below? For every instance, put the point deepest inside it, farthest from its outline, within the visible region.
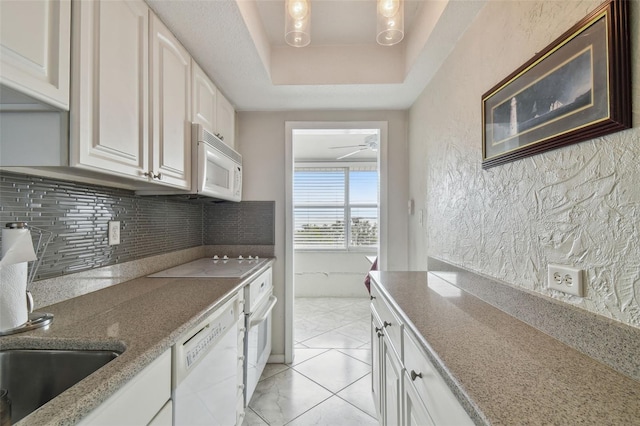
(232, 42)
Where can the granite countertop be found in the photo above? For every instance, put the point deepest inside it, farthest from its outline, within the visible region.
(502, 370)
(141, 318)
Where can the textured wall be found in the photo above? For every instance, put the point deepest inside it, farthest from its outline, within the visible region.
(579, 205)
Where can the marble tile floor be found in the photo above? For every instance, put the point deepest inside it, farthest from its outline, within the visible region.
(329, 381)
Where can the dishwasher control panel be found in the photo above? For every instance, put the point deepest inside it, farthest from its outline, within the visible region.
(213, 332)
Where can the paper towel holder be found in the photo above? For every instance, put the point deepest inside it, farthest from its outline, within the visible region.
(35, 319)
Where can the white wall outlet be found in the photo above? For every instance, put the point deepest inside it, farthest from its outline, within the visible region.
(114, 232)
(566, 279)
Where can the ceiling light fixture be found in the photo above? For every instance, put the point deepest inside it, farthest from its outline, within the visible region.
(297, 22)
(390, 22)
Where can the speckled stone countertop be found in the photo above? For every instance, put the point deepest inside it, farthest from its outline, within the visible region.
(142, 318)
(503, 371)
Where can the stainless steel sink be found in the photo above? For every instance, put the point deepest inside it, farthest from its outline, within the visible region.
(33, 377)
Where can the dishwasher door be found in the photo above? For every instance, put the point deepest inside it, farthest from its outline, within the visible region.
(205, 371)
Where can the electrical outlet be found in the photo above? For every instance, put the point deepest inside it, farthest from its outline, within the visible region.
(566, 279)
(114, 232)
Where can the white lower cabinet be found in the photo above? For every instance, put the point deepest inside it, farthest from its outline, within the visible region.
(376, 364)
(436, 396)
(387, 366)
(141, 401)
(406, 387)
(164, 416)
(415, 413)
(392, 391)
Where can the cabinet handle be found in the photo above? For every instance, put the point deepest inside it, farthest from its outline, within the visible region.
(219, 136)
(380, 334)
(371, 297)
(386, 324)
(152, 175)
(415, 375)
(378, 329)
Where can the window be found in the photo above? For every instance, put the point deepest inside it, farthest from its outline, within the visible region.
(331, 203)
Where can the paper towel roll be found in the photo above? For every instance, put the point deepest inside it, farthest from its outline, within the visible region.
(13, 299)
(17, 250)
(16, 246)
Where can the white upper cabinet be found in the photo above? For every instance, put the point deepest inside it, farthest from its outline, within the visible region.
(210, 108)
(225, 121)
(204, 101)
(171, 106)
(110, 115)
(35, 38)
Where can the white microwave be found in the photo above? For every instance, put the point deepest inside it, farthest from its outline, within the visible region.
(216, 168)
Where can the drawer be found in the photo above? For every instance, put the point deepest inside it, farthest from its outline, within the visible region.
(442, 405)
(390, 322)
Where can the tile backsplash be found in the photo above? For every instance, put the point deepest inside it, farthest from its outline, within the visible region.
(246, 223)
(78, 215)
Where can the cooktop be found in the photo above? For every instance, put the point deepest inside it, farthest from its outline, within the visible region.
(213, 268)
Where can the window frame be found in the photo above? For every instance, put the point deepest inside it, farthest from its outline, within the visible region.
(347, 167)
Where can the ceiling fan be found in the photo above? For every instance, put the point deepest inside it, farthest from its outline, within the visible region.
(370, 142)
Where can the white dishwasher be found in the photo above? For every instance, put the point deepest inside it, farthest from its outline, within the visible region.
(205, 373)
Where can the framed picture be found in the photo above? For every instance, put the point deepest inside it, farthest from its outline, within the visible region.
(576, 89)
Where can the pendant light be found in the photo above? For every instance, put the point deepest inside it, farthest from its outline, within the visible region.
(297, 22)
(390, 22)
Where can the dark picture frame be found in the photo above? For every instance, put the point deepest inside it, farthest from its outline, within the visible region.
(576, 89)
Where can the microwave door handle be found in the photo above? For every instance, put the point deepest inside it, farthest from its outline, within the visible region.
(265, 313)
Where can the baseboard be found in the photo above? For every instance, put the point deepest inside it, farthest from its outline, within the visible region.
(275, 359)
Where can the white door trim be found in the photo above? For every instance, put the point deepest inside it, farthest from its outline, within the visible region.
(382, 208)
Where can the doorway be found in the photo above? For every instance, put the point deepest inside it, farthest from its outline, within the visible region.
(333, 214)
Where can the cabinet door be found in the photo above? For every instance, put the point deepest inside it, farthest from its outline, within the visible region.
(392, 394)
(376, 365)
(109, 120)
(225, 121)
(171, 104)
(139, 400)
(203, 99)
(35, 43)
(415, 413)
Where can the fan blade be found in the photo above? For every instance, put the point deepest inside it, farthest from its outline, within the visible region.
(348, 146)
(351, 153)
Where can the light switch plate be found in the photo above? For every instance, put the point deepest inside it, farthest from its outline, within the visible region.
(114, 232)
